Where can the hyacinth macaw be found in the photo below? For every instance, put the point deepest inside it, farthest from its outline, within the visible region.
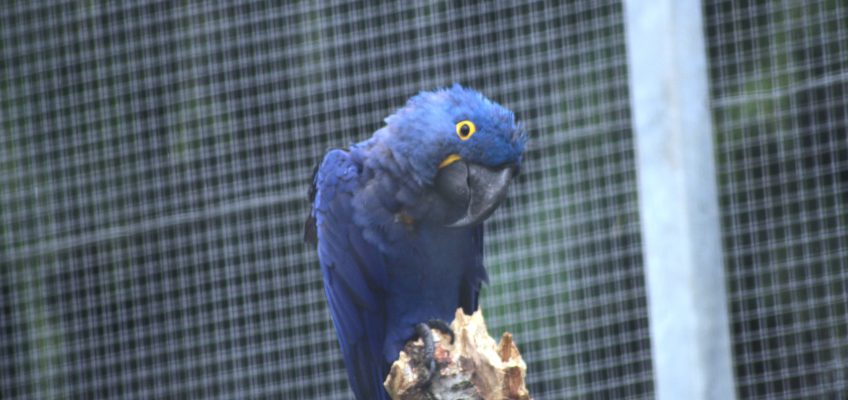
(398, 222)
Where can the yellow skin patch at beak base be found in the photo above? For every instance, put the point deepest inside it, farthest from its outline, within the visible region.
(449, 160)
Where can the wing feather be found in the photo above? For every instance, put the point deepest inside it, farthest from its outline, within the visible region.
(354, 276)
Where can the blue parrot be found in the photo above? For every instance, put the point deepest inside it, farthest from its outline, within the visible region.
(398, 223)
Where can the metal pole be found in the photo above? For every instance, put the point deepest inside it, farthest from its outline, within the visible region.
(678, 201)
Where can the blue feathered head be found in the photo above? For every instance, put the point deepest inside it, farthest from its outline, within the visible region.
(437, 128)
(461, 144)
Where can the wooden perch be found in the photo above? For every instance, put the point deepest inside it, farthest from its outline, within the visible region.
(474, 367)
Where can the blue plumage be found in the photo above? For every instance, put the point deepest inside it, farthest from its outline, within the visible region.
(398, 219)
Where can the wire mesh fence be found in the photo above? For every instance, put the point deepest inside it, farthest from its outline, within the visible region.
(154, 163)
(155, 168)
(779, 73)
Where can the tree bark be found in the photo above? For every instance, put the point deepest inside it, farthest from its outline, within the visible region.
(473, 367)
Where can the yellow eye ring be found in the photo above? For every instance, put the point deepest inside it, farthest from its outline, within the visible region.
(464, 129)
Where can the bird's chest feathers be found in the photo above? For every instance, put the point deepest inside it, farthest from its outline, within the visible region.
(392, 211)
(425, 281)
(431, 256)
(399, 222)
(402, 220)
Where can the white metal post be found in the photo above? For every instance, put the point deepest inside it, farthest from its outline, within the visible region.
(678, 201)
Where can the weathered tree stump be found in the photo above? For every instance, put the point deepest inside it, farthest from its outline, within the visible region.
(473, 367)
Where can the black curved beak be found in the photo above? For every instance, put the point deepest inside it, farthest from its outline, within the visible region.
(477, 189)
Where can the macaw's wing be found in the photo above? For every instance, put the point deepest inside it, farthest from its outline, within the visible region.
(354, 276)
(475, 274)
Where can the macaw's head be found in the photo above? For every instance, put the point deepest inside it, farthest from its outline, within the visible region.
(462, 145)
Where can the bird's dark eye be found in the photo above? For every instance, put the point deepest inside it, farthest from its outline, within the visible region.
(464, 129)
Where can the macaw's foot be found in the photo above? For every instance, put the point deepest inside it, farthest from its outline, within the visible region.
(442, 326)
(423, 331)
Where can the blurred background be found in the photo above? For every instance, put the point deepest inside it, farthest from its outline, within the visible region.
(155, 159)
